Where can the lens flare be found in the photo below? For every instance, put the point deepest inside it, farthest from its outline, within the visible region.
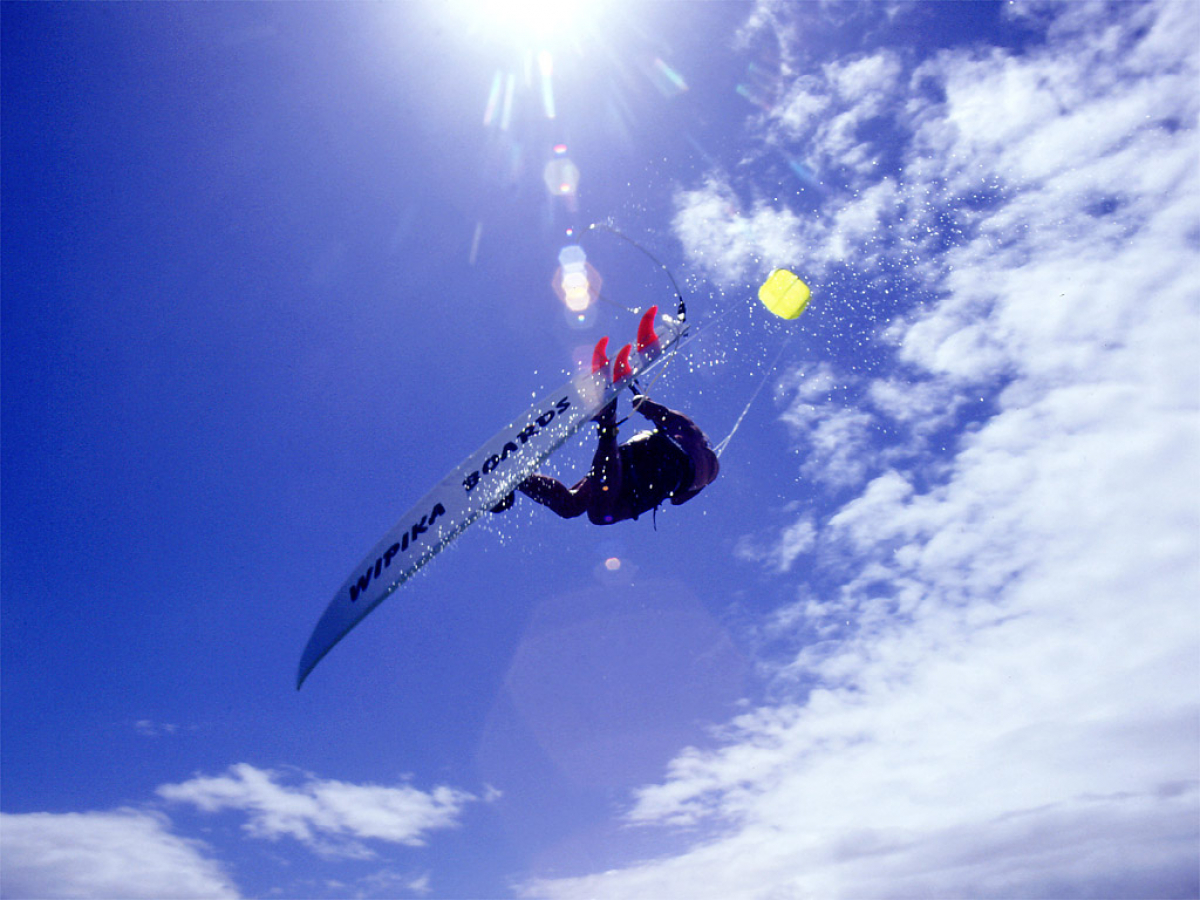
(669, 82)
(561, 177)
(493, 101)
(571, 255)
(546, 70)
(576, 282)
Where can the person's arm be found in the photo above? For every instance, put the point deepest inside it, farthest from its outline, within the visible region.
(676, 424)
(686, 434)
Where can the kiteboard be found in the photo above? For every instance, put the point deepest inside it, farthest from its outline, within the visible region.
(486, 477)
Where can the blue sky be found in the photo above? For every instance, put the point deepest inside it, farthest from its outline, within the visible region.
(271, 270)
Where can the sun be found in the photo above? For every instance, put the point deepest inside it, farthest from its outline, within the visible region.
(528, 25)
(539, 20)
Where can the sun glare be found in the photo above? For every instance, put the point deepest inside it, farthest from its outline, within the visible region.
(528, 24)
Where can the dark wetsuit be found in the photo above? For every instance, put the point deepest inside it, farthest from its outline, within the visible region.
(653, 468)
(672, 462)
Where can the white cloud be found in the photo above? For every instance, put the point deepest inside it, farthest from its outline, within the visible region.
(858, 91)
(1008, 705)
(800, 110)
(131, 853)
(727, 243)
(924, 405)
(126, 853)
(838, 448)
(388, 883)
(797, 539)
(836, 437)
(866, 81)
(330, 817)
(151, 729)
(419, 884)
(859, 221)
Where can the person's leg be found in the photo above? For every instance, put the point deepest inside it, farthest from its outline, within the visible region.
(599, 493)
(605, 476)
(556, 496)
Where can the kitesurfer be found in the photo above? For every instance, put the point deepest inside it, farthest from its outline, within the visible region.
(674, 461)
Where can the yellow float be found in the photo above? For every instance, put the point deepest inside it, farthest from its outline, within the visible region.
(784, 294)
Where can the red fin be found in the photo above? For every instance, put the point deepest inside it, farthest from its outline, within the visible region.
(645, 335)
(600, 355)
(621, 366)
